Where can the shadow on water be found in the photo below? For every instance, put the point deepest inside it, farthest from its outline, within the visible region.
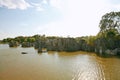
(108, 56)
(118, 56)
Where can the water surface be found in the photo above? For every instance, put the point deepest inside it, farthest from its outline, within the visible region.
(55, 65)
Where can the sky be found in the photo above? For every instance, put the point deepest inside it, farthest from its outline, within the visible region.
(72, 18)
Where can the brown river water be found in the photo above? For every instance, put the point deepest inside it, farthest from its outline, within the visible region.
(55, 65)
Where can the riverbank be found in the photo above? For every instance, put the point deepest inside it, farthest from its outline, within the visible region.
(53, 51)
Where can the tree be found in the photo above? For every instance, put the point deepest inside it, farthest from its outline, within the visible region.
(110, 21)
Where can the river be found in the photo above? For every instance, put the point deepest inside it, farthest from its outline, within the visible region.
(55, 65)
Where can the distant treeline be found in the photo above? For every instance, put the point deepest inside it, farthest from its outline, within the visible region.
(106, 42)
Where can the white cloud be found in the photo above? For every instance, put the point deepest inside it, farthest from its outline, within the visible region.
(65, 28)
(81, 17)
(56, 3)
(115, 7)
(45, 2)
(38, 6)
(14, 4)
(4, 35)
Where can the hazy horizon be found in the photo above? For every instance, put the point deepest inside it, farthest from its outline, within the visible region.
(72, 18)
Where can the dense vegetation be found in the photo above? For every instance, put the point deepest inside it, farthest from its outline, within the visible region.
(106, 42)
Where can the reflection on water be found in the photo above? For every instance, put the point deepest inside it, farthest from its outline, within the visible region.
(55, 65)
(88, 69)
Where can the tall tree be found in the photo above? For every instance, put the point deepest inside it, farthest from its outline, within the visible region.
(110, 21)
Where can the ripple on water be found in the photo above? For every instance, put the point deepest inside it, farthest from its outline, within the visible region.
(90, 69)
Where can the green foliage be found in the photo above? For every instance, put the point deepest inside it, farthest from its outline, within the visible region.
(108, 37)
(110, 21)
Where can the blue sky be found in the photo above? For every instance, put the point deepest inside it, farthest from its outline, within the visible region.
(53, 17)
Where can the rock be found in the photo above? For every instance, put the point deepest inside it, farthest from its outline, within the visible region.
(113, 52)
(110, 52)
(44, 50)
(27, 44)
(24, 53)
(100, 51)
(39, 50)
(117, 51)
(13, 44)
